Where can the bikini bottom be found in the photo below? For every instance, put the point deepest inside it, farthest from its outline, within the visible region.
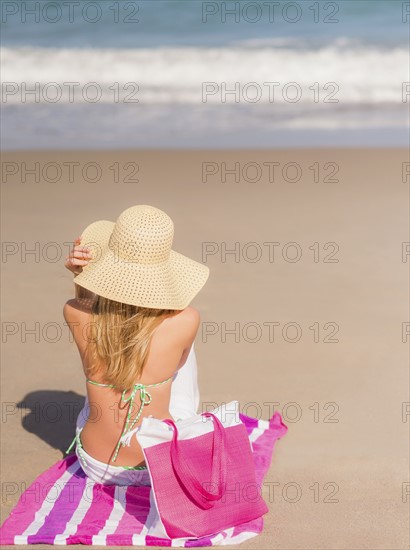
(108, 474)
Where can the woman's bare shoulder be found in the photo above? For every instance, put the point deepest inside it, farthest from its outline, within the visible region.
(187, 316)
(182, 325)
(176, 333)
(77, 308)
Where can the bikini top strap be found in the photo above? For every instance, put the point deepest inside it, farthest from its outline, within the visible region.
(138, 384)
(99, 383)
(157, 384)
(144, 395)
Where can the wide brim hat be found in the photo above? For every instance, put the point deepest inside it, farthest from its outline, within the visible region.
(133, 261)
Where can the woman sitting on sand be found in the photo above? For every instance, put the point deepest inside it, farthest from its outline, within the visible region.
(135, 332)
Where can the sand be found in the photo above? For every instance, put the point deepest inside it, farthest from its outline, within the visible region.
(318, 323)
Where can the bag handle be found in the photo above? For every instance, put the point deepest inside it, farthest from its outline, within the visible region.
(184, 473)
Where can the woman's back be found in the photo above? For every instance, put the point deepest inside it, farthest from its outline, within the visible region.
(168, 351)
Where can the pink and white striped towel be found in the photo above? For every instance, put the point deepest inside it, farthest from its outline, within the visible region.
(62, 506)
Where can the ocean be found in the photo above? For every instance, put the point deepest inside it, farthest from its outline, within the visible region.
(204, 74)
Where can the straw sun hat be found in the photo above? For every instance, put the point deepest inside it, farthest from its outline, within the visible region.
(133, 262)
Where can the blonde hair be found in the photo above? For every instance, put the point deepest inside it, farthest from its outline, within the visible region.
(119, 337)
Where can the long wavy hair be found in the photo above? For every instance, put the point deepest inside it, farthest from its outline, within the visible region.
(119, 337)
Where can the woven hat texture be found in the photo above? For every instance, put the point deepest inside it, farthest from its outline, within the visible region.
(133, 261)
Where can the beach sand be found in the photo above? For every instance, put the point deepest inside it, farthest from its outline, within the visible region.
(318, 318)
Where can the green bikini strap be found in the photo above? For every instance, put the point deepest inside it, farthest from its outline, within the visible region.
(72, 443)
(113, 386)
(143, 394)
(99, 384)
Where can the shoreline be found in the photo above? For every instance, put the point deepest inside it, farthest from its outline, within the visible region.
(210, 139)
(199, 149)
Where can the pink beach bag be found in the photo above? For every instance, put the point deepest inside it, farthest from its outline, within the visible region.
(202, 472)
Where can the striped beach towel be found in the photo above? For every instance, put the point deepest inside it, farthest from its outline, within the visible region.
(63, 506)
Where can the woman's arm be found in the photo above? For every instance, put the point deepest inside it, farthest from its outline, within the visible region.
(75, 261)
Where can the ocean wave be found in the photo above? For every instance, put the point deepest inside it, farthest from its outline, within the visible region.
(195, 75)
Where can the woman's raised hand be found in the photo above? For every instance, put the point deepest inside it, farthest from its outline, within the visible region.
(78, 257)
